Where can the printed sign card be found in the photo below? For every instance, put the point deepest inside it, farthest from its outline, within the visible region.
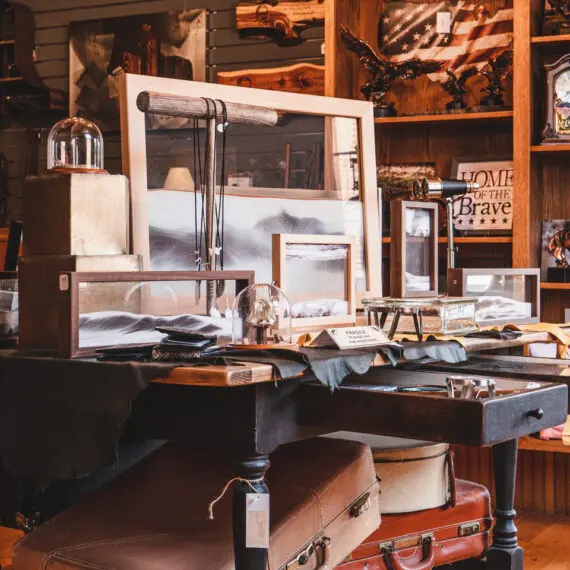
(352, 337)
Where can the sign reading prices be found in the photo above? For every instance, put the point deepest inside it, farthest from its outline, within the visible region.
(491, 206)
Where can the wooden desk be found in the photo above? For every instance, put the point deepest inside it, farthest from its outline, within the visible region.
(252, 419)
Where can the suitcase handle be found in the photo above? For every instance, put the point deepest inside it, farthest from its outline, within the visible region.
(426, 564)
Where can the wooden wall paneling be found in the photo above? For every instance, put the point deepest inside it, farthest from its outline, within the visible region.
(523, 254)
(554, 302)
(549, 483)
(560, 461)
(566, 483)
(439, 143)
(526, 462)
(229, 36)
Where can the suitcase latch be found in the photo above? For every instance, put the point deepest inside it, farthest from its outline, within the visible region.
(320, 546)
(360, 506)
(390, 546)
(467, 529)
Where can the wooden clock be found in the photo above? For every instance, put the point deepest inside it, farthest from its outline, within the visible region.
(557, 127)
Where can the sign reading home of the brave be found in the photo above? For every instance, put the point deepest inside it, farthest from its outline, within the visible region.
(491, 206)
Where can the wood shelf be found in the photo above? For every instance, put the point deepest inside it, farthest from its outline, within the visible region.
(528, 443)
(10, 79)
(550, 40)
(565, 147)
(7, 42)
(443, 118)
(555, 286)
(467, 240)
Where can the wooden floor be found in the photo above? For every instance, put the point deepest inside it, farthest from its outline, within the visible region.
(545, 539)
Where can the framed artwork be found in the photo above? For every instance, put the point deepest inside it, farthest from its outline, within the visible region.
(414, 249)
(313, 173)
(99, 310)
(165, 44)
(457, 34)
(504, 296)
(489, 209)
(316, 272)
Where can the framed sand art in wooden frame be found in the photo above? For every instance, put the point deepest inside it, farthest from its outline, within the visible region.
(317, 275)
(312, 173)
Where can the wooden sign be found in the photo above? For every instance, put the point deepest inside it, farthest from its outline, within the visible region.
(299, 78)
(281, 20)
(490, 208)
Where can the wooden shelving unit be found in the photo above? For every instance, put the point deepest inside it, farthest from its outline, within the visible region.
(533, 444)
(443, 118)
(547, 148)
(555, 286)
(469, 240)
(550, 40)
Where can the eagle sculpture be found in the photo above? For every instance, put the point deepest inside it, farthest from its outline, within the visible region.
(384, 72)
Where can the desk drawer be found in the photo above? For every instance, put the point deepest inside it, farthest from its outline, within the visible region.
(361, 406)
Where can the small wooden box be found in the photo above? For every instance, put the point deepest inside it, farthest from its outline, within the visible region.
(39, 296)
(504, 296)
(76, 214)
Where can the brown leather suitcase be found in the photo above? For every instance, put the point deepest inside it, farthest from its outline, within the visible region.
(324, 503)
(425, 539)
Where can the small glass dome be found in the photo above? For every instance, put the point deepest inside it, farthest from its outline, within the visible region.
(262, 317)
(75, 145)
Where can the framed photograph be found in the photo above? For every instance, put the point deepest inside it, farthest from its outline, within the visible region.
(329, 187)
(317, 274)
(99, 310)
(164, 44)
(414, 249)
(488, 210)
(504, 296)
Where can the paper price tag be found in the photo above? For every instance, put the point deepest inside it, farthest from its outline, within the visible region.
(443, 25)
(256, 520)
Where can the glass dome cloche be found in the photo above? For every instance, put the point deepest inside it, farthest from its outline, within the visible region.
(261, 318)
(75, 145)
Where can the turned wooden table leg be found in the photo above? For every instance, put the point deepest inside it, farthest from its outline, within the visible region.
(252, 469)
(505, 552)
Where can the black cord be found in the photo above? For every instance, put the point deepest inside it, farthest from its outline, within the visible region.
(222, 200)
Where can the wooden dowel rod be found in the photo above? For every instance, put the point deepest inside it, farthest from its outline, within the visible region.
(197, 108)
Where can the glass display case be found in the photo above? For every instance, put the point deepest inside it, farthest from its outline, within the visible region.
(504, 296)
(75, 145)
(439, 315)
(101, 310)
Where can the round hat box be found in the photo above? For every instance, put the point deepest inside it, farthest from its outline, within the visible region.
(414, 475)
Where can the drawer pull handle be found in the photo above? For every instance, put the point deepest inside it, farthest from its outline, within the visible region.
(538, 413)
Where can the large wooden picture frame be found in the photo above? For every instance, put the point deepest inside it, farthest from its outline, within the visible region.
(134, 153)
(400, 253)
(71, 282)
(282, 276)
